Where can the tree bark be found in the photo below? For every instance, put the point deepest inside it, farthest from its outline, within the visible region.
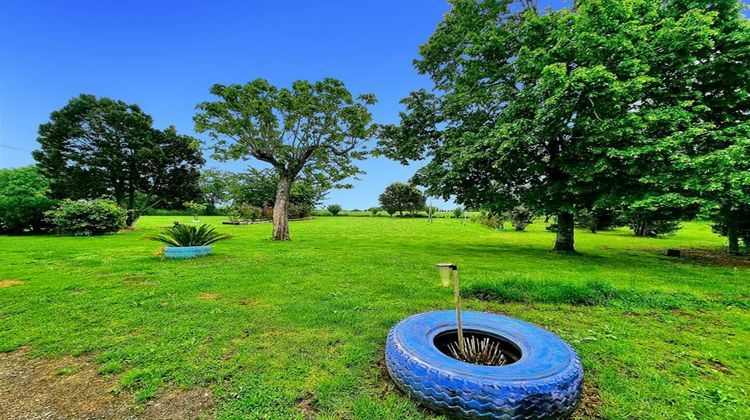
(732, 222)
(280, 207)
(565, 231)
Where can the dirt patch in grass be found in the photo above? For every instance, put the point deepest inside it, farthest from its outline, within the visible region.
(11, 282)
(713, 364)
(590, 403)
(70, 387)
(209, 296)
(181, 404)
(307, 405)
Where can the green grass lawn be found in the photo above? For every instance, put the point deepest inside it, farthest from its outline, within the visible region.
(267, 325)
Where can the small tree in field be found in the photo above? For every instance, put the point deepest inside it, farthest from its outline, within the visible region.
(401, 197)
(196, 209)
(520, 217)
(315, 129)
(374, 211)
(334, 209)
(458, 212)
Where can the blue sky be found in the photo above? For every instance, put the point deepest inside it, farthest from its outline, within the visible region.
(164, 55)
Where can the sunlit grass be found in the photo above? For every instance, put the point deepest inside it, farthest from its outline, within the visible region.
(267, 325)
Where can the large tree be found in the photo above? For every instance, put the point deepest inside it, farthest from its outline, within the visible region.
(313, 129)
(541, 107)
(95, 147)
(400, 197)
(714, 154)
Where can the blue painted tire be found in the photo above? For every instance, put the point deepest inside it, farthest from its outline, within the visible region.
(546, 381)
(182, 252)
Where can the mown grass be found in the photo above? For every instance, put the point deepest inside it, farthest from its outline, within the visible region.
(287, 330)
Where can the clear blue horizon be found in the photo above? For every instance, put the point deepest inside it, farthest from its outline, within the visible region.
(164, 56)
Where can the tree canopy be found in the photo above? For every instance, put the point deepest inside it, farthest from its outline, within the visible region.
(314, 129)
(23, 200)
(399, 197)
(94, 147)
(562, 111)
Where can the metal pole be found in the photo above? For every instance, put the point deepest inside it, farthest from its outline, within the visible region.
(457, 300)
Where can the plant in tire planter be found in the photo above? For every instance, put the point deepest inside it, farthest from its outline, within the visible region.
(523, 372)
(188, 241)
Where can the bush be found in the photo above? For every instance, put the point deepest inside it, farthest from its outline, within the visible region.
(374, 210)
(298, 211)
(652, 223)
(249, 212)
(87, 217)
(266, 213)
(520, 217)
(492, 220)
(334, 209)
(598, 219)
(458, 212)
(23, 200)
(586, 219)
(189, 235)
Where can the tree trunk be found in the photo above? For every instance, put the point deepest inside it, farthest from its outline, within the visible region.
(565, 231)
(732, 222)
(280, 217)
(131, 217)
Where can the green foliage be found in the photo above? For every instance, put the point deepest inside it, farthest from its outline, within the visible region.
(95, 147)
(87, 217)
(374, 210)
(299, 211)
(181, 235)
(23, 200)
(249, 212)
(400, 197)
(741, 218)
(458, 212)
(653, 217)
(316, 130)
(334, 209)
(520, 217)
(599, 219)
(216, 188)
(605, 104)
(492, 220)
(258, 187)
(196, 209)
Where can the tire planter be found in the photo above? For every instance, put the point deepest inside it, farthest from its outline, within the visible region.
(545, 382)
(182, 252)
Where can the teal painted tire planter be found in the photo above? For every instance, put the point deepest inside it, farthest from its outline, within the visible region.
(545, 380)
(182, 252)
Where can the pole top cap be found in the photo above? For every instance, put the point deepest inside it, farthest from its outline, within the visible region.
(447, 265)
